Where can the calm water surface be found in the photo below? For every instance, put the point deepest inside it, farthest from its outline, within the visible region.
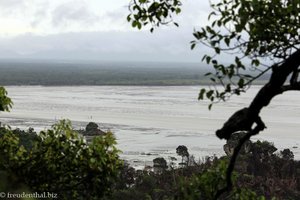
(151, 121)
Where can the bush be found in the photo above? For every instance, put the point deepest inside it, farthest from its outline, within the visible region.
(62, 162)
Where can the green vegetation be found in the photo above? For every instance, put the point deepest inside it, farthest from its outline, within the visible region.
(5, 101)
(260, 174)
(100, 74)
(105, 73)
(264, 33)
(260, 35)
(58, 161)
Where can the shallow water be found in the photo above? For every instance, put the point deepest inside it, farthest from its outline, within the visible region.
(151, 121)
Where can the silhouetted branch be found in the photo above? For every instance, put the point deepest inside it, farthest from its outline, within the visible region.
(295, 86)
(294, 77)
(259, 75)
(233, 158)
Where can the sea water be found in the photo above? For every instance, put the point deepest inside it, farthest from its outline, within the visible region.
(151, 121)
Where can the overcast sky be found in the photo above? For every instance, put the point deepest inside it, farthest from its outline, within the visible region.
(93, 30)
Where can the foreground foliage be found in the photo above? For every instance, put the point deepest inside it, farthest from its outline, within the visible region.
(260, 174)
(60, 161)
(5, 101)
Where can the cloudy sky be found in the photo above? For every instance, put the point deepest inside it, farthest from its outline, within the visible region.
(93, 30)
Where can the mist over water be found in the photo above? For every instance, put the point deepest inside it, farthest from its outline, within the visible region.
(151, 121)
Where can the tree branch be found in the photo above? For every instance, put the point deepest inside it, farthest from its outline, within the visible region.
(274, 87)
(259, 75)
(275, 84)
(295, 86)
(294, 77)
(233, 158)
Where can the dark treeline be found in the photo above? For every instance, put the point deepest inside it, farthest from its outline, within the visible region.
(105, 73)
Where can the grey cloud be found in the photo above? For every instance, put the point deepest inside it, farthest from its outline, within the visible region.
(40, 14)
(11, 3)
(120, 46)
(74, 12)
(171, 44)
(12, 7)
(120, 13)
(194, 13)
